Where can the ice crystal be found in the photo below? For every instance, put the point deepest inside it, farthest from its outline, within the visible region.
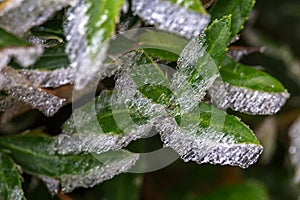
(52, 184)
(193, 57)
(16, 194)
(206, 145)
(86, 57)
(294, 149)
(49, 79)
(25, 56)
(166, 16)
(19, 88)
(246, 100)
(6, 102)
(109, 169)
(45, 42)
(19, 19)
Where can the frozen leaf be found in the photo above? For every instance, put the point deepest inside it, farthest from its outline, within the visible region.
(211, 136)
(28, 13)
(199, 62)
(169, 17)
(294, 149)
(31, 152)
(6, 102)
(11, 46)
(247, 90)
(88, 27)
(10, 179)
(15, 85)
(49, 79)
(238, 9)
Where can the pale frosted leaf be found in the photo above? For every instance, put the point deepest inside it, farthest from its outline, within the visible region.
(51, 184)
(172, 18)
(88, 27)
(294, 149)
(205, 138)
(19, 19)
(49, 79)
(72, 171)
(198, 64)
(18, 87)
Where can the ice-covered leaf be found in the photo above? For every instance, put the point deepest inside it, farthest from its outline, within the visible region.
(32, 153)
(193, 5)
(238, 9)
(248, 190)
(88, 27)
(169, 17)
(199, 62)
(247, 90)
(52, 58)
(11, 46)
(294, 149)
(15, 85)
(19, 16)
(10, 179)
(49, 79)
(211, 136)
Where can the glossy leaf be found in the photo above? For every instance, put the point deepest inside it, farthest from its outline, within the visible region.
(10, 179)
(238, 9)
(247, 89)
(33, 154)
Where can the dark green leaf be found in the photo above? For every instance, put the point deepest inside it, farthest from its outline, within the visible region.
(9, 40)
(238, 9)
(10, 180)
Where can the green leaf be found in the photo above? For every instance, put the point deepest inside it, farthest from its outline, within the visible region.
(162, 45)
(209, 135)
(193, 5)
(10, 40)
(248, 77)
(248, 191)
(10, 180)
(238, 9)
(92, 23)
(247, 89)
(34, 153)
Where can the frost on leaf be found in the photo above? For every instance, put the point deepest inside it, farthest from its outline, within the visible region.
(19, 16)
(49, 79)
(224, 143)
(113, 163)
(16, 86)
(246, 100)
(87, 34)
(172, 18)
(196, 73)
(294, 149)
